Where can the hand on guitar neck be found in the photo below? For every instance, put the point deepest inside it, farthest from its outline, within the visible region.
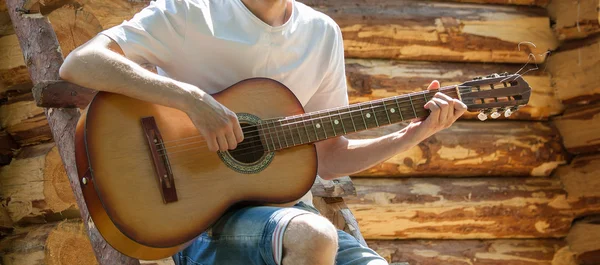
(444, 111)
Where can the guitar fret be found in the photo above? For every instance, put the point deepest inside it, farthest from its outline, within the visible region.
(412, 105)
(352, 119)
(342, 121)
(386, 113)
(298, 130)
(283, 132)
(315, 128)
(322, 125)
(271, 135)
(306, 129)
(374, 114)
(263, 136)
(399, 109)
(362, 115)
(277, 133)
(291, 134)
(332, 125)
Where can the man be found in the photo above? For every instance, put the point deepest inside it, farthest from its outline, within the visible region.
(203, 46)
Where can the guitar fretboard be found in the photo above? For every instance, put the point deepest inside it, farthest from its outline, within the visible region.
(312, 127)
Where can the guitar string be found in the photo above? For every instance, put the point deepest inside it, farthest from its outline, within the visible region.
(329, 115)
(245, 153)
(282, 126)
(281, 144)
(284, 131)
(289, 131)
(400, 100)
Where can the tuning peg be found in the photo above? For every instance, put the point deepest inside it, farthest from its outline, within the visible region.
(482, 116)
(477, 78)
(495, 115)
(504, 74)
(509, 111)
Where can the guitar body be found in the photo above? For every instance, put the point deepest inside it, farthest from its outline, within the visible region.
(121, 188)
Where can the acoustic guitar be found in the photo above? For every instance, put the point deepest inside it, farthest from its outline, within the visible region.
(151, 185)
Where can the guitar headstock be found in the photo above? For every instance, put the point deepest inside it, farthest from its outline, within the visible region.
(495, 94)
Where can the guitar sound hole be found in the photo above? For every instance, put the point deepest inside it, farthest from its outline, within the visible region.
(251, 149)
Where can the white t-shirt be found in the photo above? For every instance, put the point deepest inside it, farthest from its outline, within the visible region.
(213, 44)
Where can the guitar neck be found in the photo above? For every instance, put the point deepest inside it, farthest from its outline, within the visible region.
(281, 133)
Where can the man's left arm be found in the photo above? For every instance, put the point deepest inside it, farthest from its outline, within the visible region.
(340, 156)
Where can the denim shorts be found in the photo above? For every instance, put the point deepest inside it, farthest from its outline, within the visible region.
(244, 236)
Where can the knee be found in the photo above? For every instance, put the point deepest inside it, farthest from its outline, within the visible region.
(310, 232)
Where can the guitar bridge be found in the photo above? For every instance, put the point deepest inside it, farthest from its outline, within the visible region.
(162, 166)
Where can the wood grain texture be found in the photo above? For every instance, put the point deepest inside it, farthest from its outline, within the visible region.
(35, 187)
(110, 13)
(63, 243)
(336, 211)
(6, 223)
(7, 148)
(62, 94)
(579, 129)
(440, 31)
(575, 19)
(575, 71)
(340, 187)
(375, 79)
(472, 252)
(468, 208)
(73, 27)
(12, 66)
(541, 3)
(584, 240)
(469, 148)
(580, 181)
(25, 122)
(43, 58)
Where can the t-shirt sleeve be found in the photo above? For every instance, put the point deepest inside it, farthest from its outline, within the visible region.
(154, 34)
(333, 91)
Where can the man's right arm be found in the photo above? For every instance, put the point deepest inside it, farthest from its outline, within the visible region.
(99, 64)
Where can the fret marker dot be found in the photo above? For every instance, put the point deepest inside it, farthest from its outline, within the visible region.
(392, 110)
(318, 125)
(336, 122)
(368, 115)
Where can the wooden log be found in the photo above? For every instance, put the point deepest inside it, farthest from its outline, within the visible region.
(440, 31)
(584, 240)
(455, 208)
(336, 210)
(579, 129)
(112, 12)
(25, 122)
(580, 181)
(38, 40)
(6, 224)
(12, 67)
(475, 252)
(340, 187)
(6, 27)
(35, 186)
(575, 70)
(575, 19)
(375, 79)
(73, 27)
(63, 243)
(167, 261)
(503, 148)
(541, 3)
(7, 148)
